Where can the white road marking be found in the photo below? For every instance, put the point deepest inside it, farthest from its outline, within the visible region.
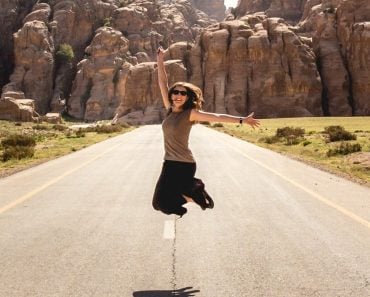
(324, 200)
(52, 182)
(169, 229)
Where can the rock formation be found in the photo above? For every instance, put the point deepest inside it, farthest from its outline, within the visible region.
(258, 57)
(17, 109)
(100, 79)
(214, 8)
(12, 13)
(290, 10)
(278, 58)
(340, 31)
(353, 32)
(34, 64)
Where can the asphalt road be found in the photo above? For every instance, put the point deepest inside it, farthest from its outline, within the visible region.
(83, 225)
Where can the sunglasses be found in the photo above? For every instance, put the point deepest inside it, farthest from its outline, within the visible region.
(176, 92)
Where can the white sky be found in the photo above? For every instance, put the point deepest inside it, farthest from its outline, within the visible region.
(230, 3)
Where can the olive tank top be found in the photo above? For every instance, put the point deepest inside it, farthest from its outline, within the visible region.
(176, 129)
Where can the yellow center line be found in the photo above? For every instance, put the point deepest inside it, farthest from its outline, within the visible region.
(51, 182)
(326, 201)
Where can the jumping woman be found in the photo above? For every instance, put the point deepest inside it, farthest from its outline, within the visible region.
(177, 185)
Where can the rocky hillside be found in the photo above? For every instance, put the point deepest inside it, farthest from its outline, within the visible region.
(279, 58)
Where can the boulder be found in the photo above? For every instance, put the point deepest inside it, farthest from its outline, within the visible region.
(17, 109)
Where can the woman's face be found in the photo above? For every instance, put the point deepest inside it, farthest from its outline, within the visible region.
(179, 96)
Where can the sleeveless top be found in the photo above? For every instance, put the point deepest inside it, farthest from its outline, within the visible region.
(176, 129)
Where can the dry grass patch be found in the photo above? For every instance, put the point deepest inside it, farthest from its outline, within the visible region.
(330, 143)
(50, 141)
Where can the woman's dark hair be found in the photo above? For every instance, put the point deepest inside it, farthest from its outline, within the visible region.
(194, 94)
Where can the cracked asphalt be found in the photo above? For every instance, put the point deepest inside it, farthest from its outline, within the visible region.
(83, 225)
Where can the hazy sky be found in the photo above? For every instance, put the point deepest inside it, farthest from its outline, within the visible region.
(229, 3)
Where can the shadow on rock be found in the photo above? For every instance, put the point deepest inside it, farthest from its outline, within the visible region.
(184, 292)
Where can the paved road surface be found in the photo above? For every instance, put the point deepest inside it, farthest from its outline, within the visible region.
(83, 225)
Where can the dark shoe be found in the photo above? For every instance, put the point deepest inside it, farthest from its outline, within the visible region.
(210, 203)
(203, 199)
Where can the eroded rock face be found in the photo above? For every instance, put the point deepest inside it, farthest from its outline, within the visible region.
(34, 64)
(142, 101)
(290, 10)
(334, 74)
(147, 24)
(100, 79)
(12, 13)
(340, 31)
(258, 64)
(12, 109)
(354, 40)
(214, 8)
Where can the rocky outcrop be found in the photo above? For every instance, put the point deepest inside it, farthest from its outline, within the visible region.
(353, 30)
(236, 63)
(12, 13)
(290, 10)
(334, 74)
(33, 73)
(100, 79)
(258, 57)
(279, 58)
(17, 109)
(341, 36)
(146, 24)
(142, 102)
(214, 8)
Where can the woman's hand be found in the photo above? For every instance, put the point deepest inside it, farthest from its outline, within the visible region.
(160, 54)
(250, 120)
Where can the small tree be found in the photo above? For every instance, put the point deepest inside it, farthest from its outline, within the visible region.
(65, 53)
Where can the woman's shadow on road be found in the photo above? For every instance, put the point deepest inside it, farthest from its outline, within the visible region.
(184, 292)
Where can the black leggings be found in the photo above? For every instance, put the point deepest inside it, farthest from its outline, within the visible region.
(176, 179)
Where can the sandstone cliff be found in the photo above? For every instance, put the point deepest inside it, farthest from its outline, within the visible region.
(341, 34)
(290, 10)
(279, 58)
(12, 13)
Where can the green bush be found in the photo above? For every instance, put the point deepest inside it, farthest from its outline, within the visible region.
(107, 22)
(18, 140)
(344, 148)
(338, 133)
(108, 128)
(18, 152)
(291, 135)
(219, 125)
(289, 132)
(18, 146)
(105, 128)
(65, 53)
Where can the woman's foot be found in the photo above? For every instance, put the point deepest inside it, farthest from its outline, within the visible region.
(210, 203)
(203, 200)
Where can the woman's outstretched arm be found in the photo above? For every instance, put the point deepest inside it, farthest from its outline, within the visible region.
(201, 116)
(162, 78)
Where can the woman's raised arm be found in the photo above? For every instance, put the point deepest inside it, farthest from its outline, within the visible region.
(162, 78)
(201, 116)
